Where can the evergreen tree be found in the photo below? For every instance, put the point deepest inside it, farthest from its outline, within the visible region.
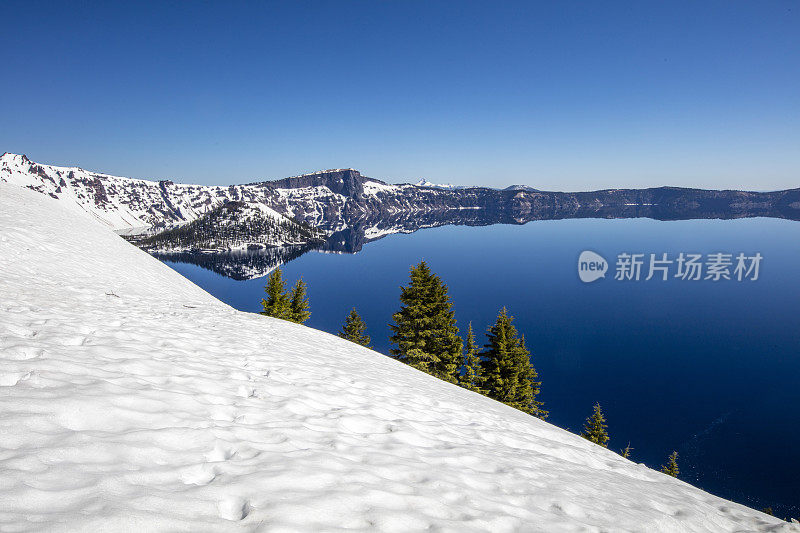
(298, 303)
(446, 343)
(354, 329)
(626, 453)
(425, 331)
(671, 468)
(471, 377)
(508, 373)
(594, 429)
(276, 304)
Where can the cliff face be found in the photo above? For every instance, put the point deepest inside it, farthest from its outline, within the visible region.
(335, 200)
(346, 182)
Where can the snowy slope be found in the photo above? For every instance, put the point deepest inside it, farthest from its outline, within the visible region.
(131, 400)
(126, 203)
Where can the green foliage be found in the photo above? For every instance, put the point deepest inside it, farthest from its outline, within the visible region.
(594, 429)
(298, 303)
(426, 337)
(626, 453)
(283, 305)
(471, 376)
(354, 329)
(768, 510)
(671, 468)
(425, 331)
(509, 375)
(276, 304)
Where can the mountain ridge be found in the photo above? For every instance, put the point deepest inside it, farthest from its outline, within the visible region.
(336, 199)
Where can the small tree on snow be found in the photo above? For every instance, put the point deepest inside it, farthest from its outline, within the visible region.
(626, 453)
(472, 376)
(276, 304)
(354, 329)
(594, 429)
(281, 304)
(671, 468)
(298, 303)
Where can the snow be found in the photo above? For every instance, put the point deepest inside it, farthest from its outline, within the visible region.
(118, 202)
(373, 188)
(425, 183)
(132, 400)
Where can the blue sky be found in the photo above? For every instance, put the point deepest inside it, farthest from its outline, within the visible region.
(557, 95)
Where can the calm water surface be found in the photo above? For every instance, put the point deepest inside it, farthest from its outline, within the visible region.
(708, 369)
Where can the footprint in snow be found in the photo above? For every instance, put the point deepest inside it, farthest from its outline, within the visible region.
(233, 508)
(199, 475)
(220, 453)
(246, 392)
(12, 378)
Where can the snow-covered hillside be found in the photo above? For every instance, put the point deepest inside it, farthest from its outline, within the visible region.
(131, 400)
(128, 204)
(117, 202)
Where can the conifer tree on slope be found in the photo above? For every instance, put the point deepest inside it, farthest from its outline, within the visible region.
(671, 468)
(446, 343)
(471, 377)
(298, 303)
(594, 429)
(509, 375)
(412, 328)
(626, 453)
(354, 329)
(276, 304)
(424, 330)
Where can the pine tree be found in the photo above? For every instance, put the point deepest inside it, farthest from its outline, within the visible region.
(671, 468)
(354, 329)
(594, 429)
(425, 331)
(446, 343)
(509, 376)
(626, 453)
(298, 303)
(471, 377)
(277, 302)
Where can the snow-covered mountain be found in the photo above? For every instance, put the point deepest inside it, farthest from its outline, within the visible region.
(132, 400)
(342, 199)
(117, 202)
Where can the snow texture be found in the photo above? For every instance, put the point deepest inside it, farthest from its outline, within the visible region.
(132, 400)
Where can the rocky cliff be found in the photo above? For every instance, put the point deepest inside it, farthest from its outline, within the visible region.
(335, 200)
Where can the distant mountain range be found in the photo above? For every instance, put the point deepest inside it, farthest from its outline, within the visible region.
(348, 209)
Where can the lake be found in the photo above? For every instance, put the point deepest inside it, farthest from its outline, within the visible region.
(710, 369)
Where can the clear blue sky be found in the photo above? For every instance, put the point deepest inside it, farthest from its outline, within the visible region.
(557, 95)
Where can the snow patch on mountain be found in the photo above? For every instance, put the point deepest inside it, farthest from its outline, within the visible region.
(132, 400)
(425, 183)
(373, 188)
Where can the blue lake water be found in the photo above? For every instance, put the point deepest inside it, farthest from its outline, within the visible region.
(711, 370)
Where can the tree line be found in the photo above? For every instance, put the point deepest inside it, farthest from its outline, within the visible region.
(425, 337)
